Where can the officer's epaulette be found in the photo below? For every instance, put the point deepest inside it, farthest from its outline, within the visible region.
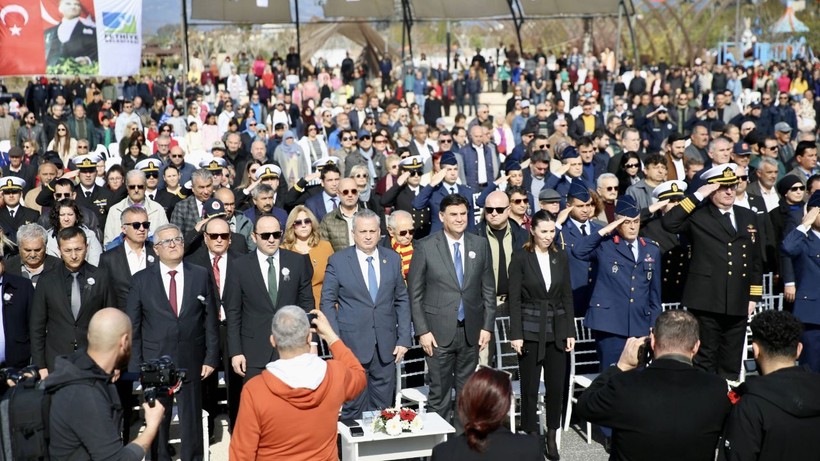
(688, 204)
(644, 241)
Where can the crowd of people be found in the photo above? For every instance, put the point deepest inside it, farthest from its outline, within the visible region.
(245, 187)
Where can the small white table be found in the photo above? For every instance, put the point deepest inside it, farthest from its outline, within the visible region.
(380, 446)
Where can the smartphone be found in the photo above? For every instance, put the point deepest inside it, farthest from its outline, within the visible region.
(350, 422)
(356, 431)
(311, 318)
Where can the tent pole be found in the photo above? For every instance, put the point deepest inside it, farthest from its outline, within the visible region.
(409, 22)
(518, 21)
(187, 61)
(618, 38)
(298, 38)
(448, 46)
(632, 36)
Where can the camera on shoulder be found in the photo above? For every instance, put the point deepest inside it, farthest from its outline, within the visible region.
(160, 377)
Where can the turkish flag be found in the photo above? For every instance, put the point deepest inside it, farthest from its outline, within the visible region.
(21, 38)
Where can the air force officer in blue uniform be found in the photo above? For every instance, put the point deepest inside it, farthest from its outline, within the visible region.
(626, 299)
(803, 246)
(441, 185)
(373, 315)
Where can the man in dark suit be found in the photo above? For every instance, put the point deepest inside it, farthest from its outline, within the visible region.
(264, 281)
(725, 279)
(17, 295)
(17, 167)
(14, 214)
(65, 300)
(132, 256)
(441, 185)
(173, 313)
(401, 195)
(366, 284)
(452, 296)
(327, 197)
(189, 211)
(219, 259)
(88, 194)
(694, 402)
(32, 261)
(74, 38)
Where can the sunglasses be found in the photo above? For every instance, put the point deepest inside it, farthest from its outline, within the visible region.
(743, 178)
(442, 141)
(632, 165)
(267, 235)
(219, 235)
(497, 210)
(365, 138)
(151, 174)
(136, 187)
(519, 201)
(413, 172)
(360, 176)
(797, 189)
(610, 188)
(349, 192)
(542, 146)
(60, 129)
(404, 233)
(302, 222)
(347, 139)
(82, 147)
(62, 195)
(137, 225)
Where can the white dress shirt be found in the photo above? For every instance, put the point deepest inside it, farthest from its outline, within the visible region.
(166, 283)
(136, 261)
(771, 198)
(263, 265)
(450, 246)
(482, 164)
(544, 264)
(362, 256)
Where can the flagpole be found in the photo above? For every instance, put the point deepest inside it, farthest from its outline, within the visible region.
(187, 61)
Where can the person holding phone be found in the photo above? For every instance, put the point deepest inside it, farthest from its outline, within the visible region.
(542, 324)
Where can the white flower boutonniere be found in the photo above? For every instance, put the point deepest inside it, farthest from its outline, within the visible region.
(471, 254)
(285, 274)
(7, 297)
(201, 299)
(90, 281)
(150, 259)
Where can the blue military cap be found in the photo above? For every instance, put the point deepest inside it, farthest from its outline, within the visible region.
(213, 207)
(570, 152)
(512, 165)
(448, 158)
(814, 200)
(627, 206)
(578, 190)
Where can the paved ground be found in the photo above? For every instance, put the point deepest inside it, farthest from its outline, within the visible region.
(573, 445)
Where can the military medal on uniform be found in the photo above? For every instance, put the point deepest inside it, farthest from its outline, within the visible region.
(615, 267)
(649, 260)
(752, 232)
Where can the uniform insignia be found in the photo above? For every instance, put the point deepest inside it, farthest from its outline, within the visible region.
(649, 259)
(615, 268)
(649, 275)
(752, 232)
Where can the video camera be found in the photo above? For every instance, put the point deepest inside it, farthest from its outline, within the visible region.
(160, 377)
(15, 375)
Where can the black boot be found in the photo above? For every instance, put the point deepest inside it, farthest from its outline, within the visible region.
(552, 445)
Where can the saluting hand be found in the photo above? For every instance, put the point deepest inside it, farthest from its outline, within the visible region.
(708, 189)
(611, 226)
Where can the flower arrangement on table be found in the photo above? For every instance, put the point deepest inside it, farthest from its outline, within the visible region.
(394, 421)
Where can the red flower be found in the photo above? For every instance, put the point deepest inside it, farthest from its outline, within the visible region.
(388, 414)
(408, 415)
(734, 397)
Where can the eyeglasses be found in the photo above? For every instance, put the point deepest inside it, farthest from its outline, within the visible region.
(797, 188)
(519, 201)
(267, 235)
(347, 139)
(414, 172)
(166, 130)
(379, 141)
(152, 174)
(610, 188)
(442, 141)
(404, 233)
(360, 176)
(170, 242)
(302, 222)
(164, 145)
(349, 192)
(218, 235)
(773, 147)
(632, 165)
(497, 209)
(365, 138)
(137, 225)
(82, 147)
(251, 124)
(136, 186)
(542, 146)
(62, 195)
(60, 129)
(743, 178)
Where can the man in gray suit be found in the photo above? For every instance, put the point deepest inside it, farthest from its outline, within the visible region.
(373, 309)
(452, 297)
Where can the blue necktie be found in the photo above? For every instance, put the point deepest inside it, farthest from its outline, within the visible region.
(460, 276)
(373, 285)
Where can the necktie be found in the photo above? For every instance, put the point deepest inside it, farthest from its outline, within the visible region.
(728, 217)
(584, 230)
(11, 212)
(216, 271)
(335, 205)
(452, 190)
(373, 285)
(88, 194)
(460, 276)
(631, 250)
(151, 196)
(76, 300)
(172, 292)
(272, 281)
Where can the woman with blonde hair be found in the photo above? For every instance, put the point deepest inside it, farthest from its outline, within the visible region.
(63, 143)
(302, 236)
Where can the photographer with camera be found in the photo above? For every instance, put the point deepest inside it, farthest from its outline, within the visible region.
(289, 411)
(777, 415)
(668, 410)
(86, 414)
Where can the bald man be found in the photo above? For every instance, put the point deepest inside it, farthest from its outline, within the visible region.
(82, 385)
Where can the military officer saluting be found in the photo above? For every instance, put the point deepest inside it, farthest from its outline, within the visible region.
(575, 223)
(89, 194)
(675, 248)
(725, 273)
(626, 298)
(406, 187)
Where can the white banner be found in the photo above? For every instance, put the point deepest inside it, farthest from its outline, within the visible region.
(119, 36)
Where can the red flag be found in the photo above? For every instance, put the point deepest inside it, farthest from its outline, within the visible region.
(21, 38)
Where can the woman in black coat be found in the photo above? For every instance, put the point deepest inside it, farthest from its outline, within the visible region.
(483, 404)
(542, 323)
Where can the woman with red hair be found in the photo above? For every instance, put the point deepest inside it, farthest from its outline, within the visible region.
(483, 405)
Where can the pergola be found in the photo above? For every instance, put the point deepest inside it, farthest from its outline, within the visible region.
(408, 11)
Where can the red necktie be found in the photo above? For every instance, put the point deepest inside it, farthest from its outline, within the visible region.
(172, 293)
(216, 279)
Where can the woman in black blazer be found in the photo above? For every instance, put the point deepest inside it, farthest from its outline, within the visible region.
(542, 324)
(483, 404)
